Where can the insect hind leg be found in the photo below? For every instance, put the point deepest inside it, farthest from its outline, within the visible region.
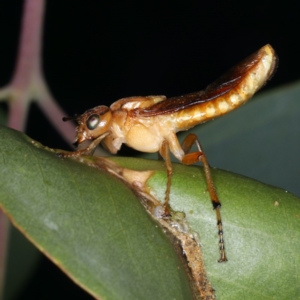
(199, 156)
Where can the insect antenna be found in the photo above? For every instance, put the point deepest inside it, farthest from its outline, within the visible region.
(65, 119)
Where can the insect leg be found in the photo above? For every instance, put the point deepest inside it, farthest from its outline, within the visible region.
(88, 150)
(199, 156)
(165, 153)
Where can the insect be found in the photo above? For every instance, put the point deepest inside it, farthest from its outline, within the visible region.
(150, 124)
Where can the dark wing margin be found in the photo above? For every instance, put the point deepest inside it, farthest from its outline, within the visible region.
(221, 86)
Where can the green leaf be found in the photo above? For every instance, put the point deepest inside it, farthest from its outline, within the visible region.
(111, 246)
(89, 223)
(261, 228)
(261, 223)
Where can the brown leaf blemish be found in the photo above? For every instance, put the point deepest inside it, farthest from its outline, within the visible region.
(186, 242)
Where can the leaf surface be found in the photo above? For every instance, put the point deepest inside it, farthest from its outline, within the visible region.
(261, 229)
(89, 223)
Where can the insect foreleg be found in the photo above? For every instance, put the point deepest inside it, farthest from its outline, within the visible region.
(88, 150)
(199, 156)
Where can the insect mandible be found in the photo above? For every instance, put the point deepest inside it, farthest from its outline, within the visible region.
(150, 124)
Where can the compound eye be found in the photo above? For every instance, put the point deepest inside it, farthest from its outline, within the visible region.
(92, 122)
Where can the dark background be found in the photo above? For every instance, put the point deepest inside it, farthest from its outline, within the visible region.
(96, 52)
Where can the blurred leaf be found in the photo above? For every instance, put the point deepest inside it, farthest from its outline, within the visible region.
(19, 271)
(3, 117)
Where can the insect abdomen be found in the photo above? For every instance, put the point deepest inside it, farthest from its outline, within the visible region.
(255, 75)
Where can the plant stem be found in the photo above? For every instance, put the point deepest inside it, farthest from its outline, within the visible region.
(28, 84)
